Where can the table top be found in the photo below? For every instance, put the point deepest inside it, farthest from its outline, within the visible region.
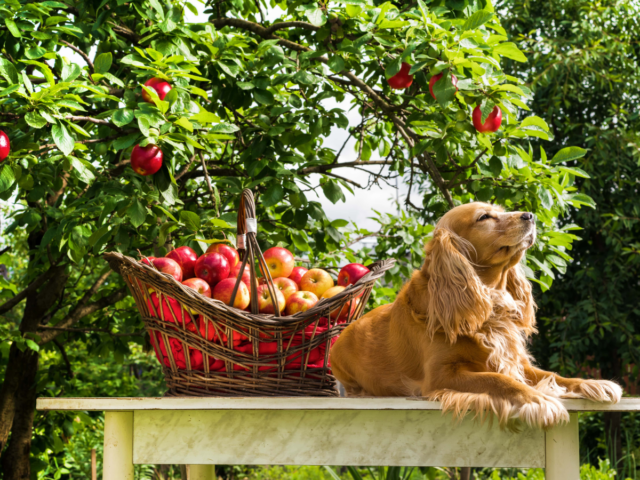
(628, 404)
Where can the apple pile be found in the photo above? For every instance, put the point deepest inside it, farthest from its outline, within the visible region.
(214, 275)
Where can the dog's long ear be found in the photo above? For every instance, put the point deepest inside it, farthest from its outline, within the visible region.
(520, 289)
(459, 303)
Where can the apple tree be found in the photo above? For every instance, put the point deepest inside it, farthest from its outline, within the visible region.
(256, 89)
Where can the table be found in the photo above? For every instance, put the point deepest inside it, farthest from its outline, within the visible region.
(203, 432)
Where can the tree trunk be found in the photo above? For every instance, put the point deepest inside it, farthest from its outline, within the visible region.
(12, 378)
(15, 461)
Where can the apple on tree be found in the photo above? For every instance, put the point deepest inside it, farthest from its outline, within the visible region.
(297, 273)
(162, 87)
(491, 124)
(300, 301)
(146, 160)
(402, 79)
(437, 77)
(228, 251)
(186, 258)
(212, 267)
(280, 262)
(5, 146)
(316, 281)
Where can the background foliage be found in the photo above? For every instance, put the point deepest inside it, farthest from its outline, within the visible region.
(254, 99)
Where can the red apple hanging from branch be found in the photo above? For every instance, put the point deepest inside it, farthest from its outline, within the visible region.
(435, 78)
(402, 79)
(162, 87)
(491, 124)
(146, 160)
(5, 146)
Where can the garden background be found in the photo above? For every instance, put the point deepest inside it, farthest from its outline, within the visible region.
(290, 99)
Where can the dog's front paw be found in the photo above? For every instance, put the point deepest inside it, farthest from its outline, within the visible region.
(542, 411)
(596, 390)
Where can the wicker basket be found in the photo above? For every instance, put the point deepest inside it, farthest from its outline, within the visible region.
(218, 350)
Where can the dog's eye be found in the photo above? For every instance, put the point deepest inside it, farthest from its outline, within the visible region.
(484, 217)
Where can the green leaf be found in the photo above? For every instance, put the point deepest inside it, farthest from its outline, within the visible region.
(8, 71)
(121, 143)
(122, 117)
(137, 213)
(224, 128)
(82, 170)
(393, 68)
(184, 123)
(574, 171)
(203, 116)
(272, 195)
(534, 121)
(333, 191)
(35, 120)
(265, 97)
(336, 63)
(316, 17)
(63, 140)
(13, 28)
(578, 199)
(190, 219)
(486, 107)
(477, 19)
(98, 234)
(7, 177)
(35, 53)
(444, 90)
(510, 50)
(567, 154)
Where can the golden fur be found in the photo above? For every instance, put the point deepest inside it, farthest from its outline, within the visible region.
(458, 330)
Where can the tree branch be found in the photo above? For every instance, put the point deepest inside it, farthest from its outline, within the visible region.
(82, 54)
(88, 330)
(282, 25)
(34, 285)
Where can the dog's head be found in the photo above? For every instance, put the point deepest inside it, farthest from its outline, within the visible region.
(477, 248)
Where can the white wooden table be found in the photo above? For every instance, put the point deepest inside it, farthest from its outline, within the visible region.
(203, 432)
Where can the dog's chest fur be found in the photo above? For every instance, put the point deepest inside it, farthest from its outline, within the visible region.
(502, 336)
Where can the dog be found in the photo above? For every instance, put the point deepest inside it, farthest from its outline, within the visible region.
(457, 331)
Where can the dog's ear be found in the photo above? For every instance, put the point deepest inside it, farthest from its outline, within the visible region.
(520, 289)
(459, 303)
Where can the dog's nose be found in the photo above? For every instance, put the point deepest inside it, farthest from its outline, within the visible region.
(527, 217)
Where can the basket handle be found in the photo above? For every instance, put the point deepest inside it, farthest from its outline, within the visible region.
(249, 248)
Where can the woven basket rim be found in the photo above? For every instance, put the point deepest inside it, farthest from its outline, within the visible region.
(377, 270)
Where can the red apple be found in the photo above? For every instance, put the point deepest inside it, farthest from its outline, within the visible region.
(229, 252)
(286, 286)
(300, 302)
(279, 262)
(148, 260)
(491, 124)
(224, 289)
(146, 160)
(297, 273)
(5, 146)
(402, 79)
(168, 265)
(162, 87)
(212, 267)
(437, 77)
(246, 274)
(186, 258)
(316, 281)
(199, 286)
(347, 309)
(265, 302)
(350, 274)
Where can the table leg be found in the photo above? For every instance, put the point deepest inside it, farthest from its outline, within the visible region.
(202, 472)
(118, 446)
(563, 451)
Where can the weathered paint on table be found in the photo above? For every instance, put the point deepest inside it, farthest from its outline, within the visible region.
(319, 431)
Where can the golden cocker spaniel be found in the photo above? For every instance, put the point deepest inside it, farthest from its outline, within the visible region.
(458, 330)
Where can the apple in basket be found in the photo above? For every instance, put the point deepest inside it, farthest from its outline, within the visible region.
(212, 267)
(166, 265)
(280, 262)
(350, 274)
(265, 302)
(316, 281)
(286, 286)
(230, 253)
(186, 258)
(199, 286)
(223, 290)
(297, 274)
(246, 274)
(348, 309)
(300, 301)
